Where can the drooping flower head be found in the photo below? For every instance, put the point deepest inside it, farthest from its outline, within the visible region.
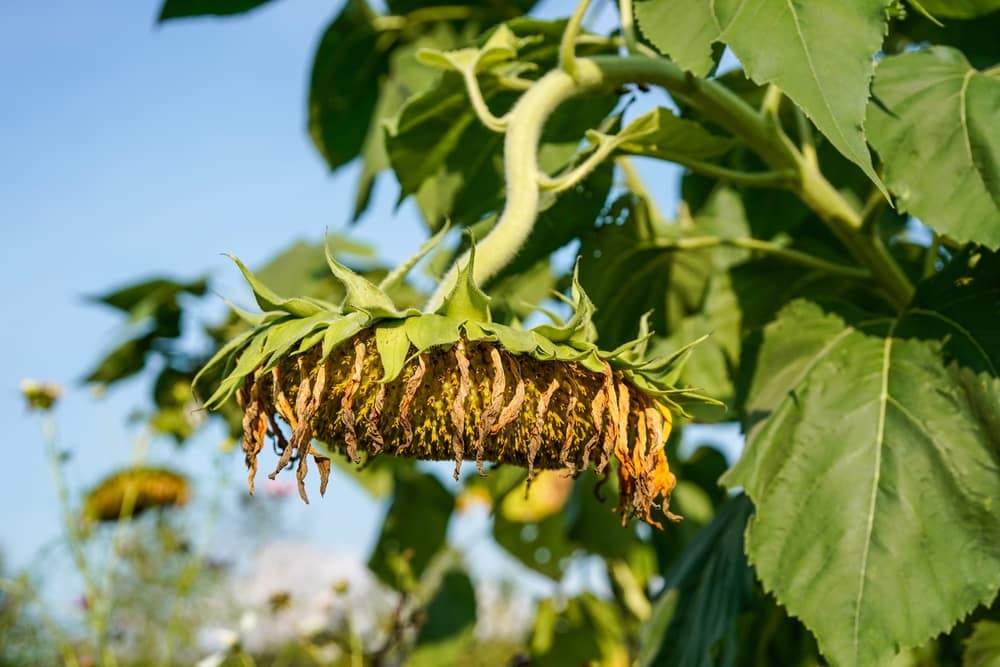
(369, 378)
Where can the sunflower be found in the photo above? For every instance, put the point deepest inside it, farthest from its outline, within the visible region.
(369, 378)
(141, 487)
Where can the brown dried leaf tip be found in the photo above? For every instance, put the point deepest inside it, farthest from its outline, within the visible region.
(470, 401)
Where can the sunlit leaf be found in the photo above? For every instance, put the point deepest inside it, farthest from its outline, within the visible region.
(937, 135)
(821, 54)
(872, 463)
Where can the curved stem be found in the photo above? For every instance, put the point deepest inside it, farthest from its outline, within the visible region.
(567, 45)
(479, 105)
(635, 185)
(755, 179)
(717, 104)
(806, 144)
(605, 146)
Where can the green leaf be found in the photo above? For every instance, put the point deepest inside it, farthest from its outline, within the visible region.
(872, 463)
(820, 54)
(960, 9)
(663, 135)
(406, 78)
(466, 301)
(451, 623)
(413, 530)
(173, 9)
(269, 301)
(362, 294)
(714, 584)
(392, 344)
(428, 143)
(124, 361)
(146, 298)
(652, 630)
(939, 141)
(343, 91)
(982, 648)
(500, 47)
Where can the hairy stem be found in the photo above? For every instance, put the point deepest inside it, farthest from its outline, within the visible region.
(567, 45)
(714, 101)
(479, 105)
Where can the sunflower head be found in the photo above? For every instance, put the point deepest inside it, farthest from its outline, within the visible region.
(367, 378)
(132, 491)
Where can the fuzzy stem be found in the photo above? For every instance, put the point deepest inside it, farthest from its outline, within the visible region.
(606, 145)
(567, 45)
(716, 103)
(479, 105)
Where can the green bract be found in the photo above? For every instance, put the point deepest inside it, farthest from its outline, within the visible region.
(450, 384)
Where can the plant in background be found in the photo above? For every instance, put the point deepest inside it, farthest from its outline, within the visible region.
(851, 296)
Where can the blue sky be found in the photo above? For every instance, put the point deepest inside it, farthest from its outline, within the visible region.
(130, 150)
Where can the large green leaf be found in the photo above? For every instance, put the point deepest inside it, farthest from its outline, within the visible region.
(344, 87)
(714, 583)
(820, 54)
(873, 460)
(937, 136)
(174, 9)
(414, 529)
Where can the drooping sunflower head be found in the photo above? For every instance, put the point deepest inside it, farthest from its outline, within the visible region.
(368, 378)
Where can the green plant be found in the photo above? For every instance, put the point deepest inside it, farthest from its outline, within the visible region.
(851, 297)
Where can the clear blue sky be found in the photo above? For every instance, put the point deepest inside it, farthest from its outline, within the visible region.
(129, 150)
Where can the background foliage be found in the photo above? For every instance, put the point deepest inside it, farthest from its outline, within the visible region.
(857, 343)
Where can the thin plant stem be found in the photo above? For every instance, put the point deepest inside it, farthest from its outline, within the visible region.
(567, 45)
(771, 104)
(193, 567)
(627, 18)
(807, 145)
(768, 248)
(73, 537)
(930, 257)
(479, 105)
(635, 184)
